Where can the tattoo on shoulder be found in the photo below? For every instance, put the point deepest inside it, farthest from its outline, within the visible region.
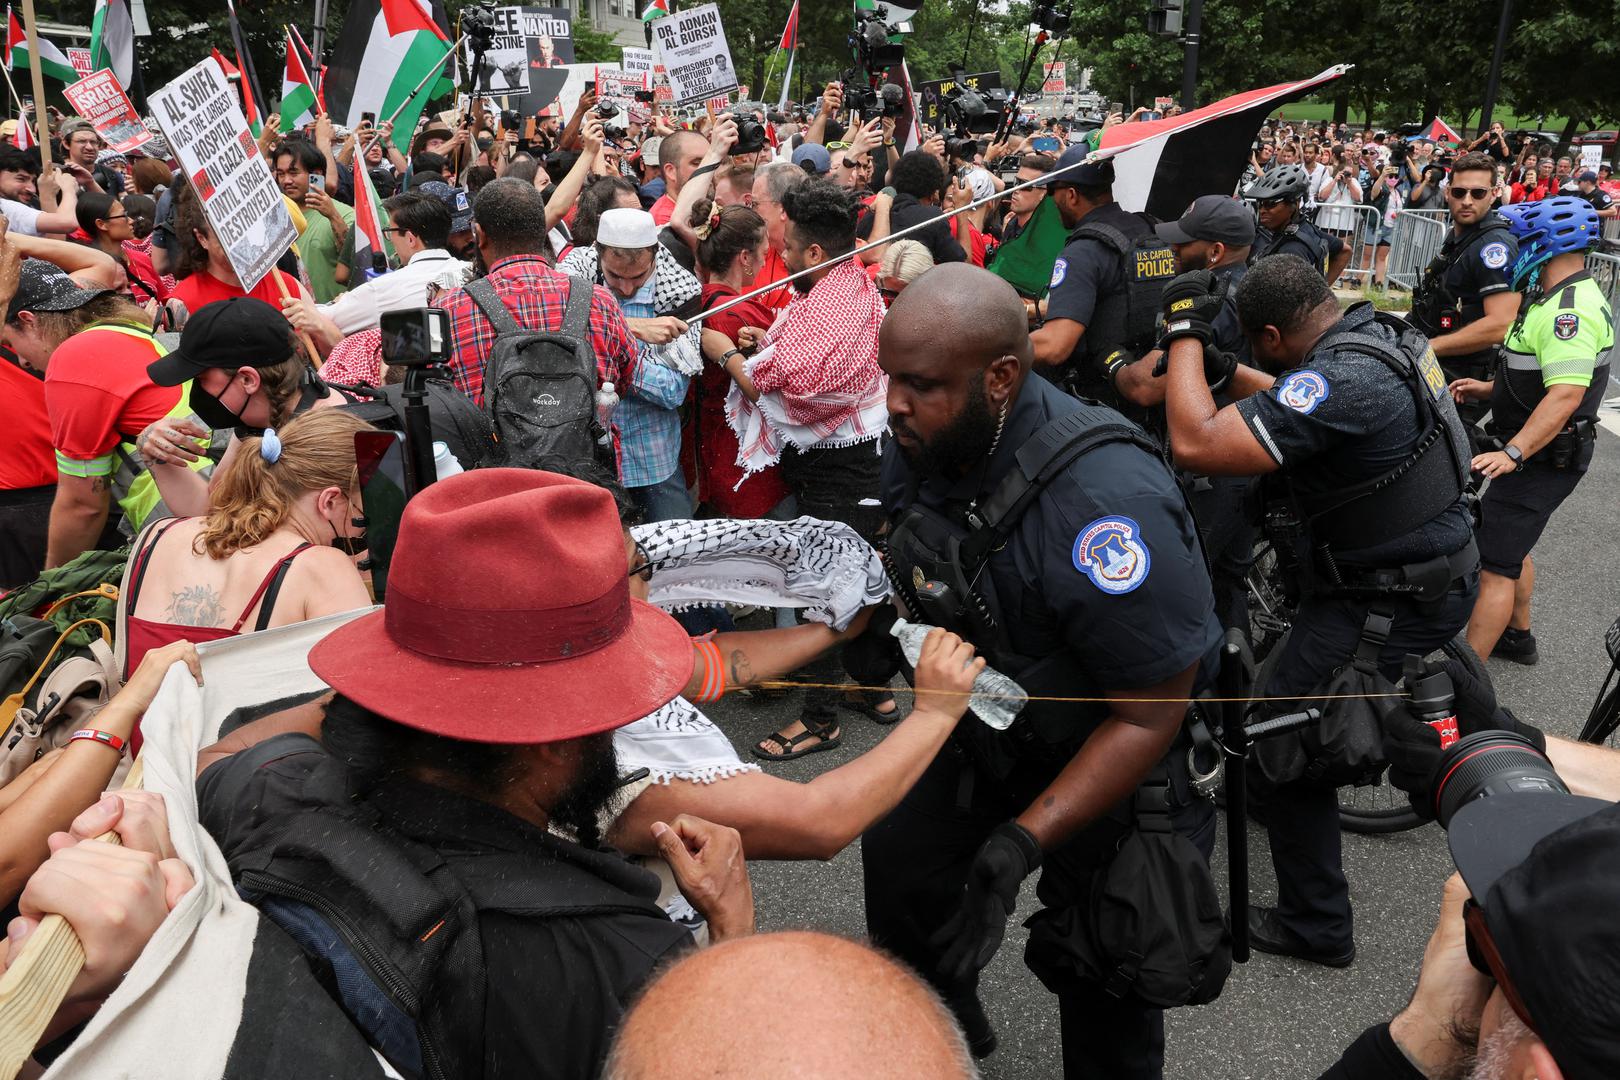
(742, 672)
(196, 605)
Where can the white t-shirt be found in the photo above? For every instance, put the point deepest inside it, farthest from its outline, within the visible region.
(20, 217)
(1319, 178)
(362, 307)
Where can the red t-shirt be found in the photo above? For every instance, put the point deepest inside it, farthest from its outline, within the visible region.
(773, 270)
(99, 395)
(145, 282)
(26, 458)
(662, 210)
(204, 288)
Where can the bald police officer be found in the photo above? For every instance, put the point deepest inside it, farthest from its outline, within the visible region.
(1051, 534)
(1284, 230)
(1366, 461)
(1102, 305)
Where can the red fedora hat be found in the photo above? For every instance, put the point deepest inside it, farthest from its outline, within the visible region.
(509, 618)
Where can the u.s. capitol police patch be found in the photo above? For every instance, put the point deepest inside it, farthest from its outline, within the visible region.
(1060, 270)
(1111, 552)
(1494, 255)
(1303, 391)
(1566, 326)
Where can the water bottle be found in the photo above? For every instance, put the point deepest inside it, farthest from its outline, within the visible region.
(445, 464)
(1429, 689)
(996, 699)
(606, 402)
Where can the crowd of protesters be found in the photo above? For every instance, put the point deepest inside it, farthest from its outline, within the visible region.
(156, 406)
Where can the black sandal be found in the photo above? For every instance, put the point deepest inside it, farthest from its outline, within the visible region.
(789, 745)
(866, 703)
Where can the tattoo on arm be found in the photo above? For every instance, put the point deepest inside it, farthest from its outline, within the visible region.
(100, 484)
(196, 605)
(742, 672)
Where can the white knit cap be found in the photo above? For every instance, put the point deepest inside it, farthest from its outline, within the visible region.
(623, 227)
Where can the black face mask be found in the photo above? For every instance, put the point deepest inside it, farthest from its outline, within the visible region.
(350, 545)
(212, 411)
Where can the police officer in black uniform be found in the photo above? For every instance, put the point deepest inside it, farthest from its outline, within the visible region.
(1050, 533)
(1283, 229)
(1102, 304)
(1365, 461)
(1466, 301)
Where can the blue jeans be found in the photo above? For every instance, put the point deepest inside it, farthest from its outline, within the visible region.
(667, 500)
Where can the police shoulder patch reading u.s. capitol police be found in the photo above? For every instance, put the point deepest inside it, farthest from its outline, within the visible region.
(1060, 270)
(1111, 552)
(1303, 391)
(1494, 255)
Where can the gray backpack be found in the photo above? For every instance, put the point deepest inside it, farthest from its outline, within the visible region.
(540, 385)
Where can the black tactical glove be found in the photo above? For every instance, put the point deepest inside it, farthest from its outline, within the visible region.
(1191, 304)
(1413, 747)
(1118, 361)
(1219, 367)
(973, 934)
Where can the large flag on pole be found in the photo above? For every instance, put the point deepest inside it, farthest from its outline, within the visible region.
(388, 47)
(51, 60)
(297, 90)
(312, 65)
(368, 226)
(789, 45)
(112, 47)
(254, 105)
(1161, 166)
(656, 9)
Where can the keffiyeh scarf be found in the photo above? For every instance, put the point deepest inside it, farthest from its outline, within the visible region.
(817, 374)
(674, 290)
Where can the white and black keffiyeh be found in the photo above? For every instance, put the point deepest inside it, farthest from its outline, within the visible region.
(674, 290)
(823, 567)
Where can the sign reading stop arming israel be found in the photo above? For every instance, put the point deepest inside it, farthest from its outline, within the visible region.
(202, 118)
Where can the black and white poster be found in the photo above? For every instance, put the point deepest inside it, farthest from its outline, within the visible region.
(693, 46)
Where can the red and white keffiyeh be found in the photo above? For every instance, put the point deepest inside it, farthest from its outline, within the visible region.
(817, 374)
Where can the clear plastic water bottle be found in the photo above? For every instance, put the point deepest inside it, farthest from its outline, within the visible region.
(445, 464)
(606, 402)
(996, 699)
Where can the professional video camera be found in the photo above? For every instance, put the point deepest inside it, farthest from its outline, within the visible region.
(887, 101)
(606, 110)
(750, 133)
(870, 40)
(972, 112)
(478, 23)
(1053, 21)
(1398, 150)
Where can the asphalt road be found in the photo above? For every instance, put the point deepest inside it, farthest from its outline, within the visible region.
(1276, 1018)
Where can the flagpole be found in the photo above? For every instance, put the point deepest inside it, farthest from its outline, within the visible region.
(787, 82)
(921, 225)
(36, 68)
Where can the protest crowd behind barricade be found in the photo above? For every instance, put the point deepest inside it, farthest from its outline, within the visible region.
(388, 483)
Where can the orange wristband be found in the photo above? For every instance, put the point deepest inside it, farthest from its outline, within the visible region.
(713, 686)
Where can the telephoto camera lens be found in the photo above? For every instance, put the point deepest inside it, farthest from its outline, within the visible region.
(1490, 763)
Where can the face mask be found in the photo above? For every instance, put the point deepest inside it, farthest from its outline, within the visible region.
(211, 410)
(350, 545)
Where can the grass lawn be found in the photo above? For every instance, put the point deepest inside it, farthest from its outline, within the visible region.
(1316, 112)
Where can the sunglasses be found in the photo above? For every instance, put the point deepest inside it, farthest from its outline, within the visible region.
(838, 145)
(1487, 959)
(1463, 194)
(1267, 204)
(644, 565)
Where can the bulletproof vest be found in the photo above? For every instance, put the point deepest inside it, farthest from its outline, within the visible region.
(936, 559)
(1436, 308)
(1425, 484)
(1127, 318)
(1520, 387)
(1296, 234)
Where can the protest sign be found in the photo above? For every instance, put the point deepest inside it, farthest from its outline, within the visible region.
(640, 61)
(620, 86)
(1054, 77)
(99, 99)
(525, 63)
(692, 44)
(81, 61)
(505, 64)
(1162, 104)
(932, 93)
(1591, 156)
(201, 116)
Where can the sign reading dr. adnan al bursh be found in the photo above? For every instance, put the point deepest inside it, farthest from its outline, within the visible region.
(696, 58)
(202, 118)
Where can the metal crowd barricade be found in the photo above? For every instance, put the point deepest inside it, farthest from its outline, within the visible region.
(1353, 223)
(1605, 270)
(1417, 239)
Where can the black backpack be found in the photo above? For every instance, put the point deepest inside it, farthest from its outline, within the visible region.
(388, 924)
(456, 421)
(540, 385)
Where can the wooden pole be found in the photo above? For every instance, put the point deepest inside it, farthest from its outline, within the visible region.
(303, 335)
(32, 989)
(36, 68)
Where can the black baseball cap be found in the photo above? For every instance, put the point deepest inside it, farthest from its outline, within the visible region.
(43, 286)
(1080, 171)
(1544, 871)
(235, 333)
(1215, 218)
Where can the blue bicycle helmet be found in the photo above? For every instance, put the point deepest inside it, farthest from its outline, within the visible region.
(1556, 226)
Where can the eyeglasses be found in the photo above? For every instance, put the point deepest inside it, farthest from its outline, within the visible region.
(396, 232)
(1463, 194)
(644, 565)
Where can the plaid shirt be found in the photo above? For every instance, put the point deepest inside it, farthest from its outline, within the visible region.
(537, 296)
(649, 427)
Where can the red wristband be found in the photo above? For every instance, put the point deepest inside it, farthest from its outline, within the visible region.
(106, 738)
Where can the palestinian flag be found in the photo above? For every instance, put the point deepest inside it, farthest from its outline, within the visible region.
(24, 139)
(1025, 262)
(254, 106)
(1437, 132)
(112, 44)
(896, 14)
(313, 66)
(790, 33)
(1161, 166)
(52, 61)
(657, 9)
(297, 90)
(370, 250)
(387, 48)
